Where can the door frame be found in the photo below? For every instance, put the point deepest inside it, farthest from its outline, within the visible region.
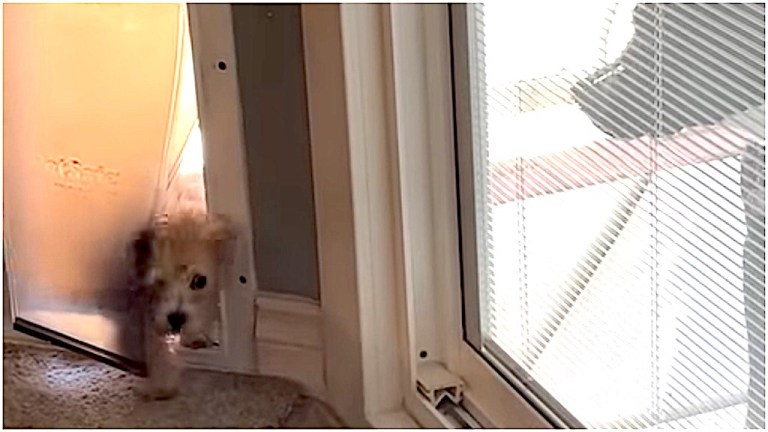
(226, 182)
(381, 109)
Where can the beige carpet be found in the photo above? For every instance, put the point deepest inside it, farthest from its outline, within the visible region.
(51, 388)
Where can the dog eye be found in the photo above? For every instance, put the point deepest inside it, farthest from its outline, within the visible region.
(160, 283)
(198, 282)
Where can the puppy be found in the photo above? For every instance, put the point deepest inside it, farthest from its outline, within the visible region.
(177, 265)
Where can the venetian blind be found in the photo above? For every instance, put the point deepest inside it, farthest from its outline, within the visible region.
(621, 206)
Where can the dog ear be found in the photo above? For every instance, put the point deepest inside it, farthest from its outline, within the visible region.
(141, 255)
(158, 227)
(218, 228)
(220, 231)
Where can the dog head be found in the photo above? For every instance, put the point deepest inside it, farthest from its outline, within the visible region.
(183, 271)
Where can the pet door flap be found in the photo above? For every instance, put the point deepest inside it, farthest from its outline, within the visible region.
(95, 119)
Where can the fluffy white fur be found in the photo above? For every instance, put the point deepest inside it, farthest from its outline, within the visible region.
(178, 261)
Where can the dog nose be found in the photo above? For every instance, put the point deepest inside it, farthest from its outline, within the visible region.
(176, 320)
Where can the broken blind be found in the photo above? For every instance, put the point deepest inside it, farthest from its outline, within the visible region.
(621, 211)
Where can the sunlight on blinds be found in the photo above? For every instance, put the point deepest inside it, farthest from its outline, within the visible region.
(622, 206)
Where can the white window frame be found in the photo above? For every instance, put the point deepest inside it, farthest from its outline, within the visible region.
(381, 122)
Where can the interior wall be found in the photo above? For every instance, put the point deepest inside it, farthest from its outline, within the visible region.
(270, 69)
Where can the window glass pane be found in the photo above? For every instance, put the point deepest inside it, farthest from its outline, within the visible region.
(619, 207)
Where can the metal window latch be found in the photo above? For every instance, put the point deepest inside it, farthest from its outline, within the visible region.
(436, 383)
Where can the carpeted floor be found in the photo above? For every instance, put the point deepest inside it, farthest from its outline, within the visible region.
(51, 388)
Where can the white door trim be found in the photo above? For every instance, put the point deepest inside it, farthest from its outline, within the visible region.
(334, 214)
(381, 123)
(226, 180)
(289, 340)
(358, 247)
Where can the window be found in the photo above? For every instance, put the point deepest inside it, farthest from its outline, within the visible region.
(611, 185)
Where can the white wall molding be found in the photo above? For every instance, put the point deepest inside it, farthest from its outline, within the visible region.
(289, 340)
(289, 320)
(334, 213)
(349, 87)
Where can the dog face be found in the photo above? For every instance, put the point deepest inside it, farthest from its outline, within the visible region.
(184, 274)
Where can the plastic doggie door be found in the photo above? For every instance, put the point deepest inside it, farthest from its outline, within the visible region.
(95, 119)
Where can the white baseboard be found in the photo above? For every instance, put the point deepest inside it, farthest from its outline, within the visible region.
(289, 340)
